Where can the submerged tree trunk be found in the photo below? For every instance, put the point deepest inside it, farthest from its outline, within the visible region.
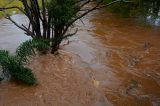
(57, 38)
(55, 47)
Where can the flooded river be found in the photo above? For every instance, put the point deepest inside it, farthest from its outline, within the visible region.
(132, 59)
(110, 61)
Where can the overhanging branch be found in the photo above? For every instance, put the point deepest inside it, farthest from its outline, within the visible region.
(98, 6)
(14, 7)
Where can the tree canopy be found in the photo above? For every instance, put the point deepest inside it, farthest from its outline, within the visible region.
(51, 19)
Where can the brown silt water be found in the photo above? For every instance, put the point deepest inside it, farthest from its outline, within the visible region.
(111, 61)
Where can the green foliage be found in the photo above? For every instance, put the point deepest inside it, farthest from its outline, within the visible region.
(62, 11)
(13, 65)
(29, 48)
(25, 50)
(22, 74)
(41, 45)
(136, 8)
(10, 64)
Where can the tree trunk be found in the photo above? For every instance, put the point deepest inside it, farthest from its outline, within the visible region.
(56, 39)
(55, 44)
(55, 47)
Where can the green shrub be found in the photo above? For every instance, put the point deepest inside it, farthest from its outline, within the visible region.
(29, 48)
(11, 65)
(42, 46)
(23, 74)
(25, 50)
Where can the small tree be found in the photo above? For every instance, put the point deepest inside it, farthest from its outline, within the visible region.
(51, 19)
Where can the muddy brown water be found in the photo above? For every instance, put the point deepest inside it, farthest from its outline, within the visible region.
(110, 61)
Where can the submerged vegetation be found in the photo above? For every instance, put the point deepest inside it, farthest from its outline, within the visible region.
(11, 66)
(14, 65)
(29, 48)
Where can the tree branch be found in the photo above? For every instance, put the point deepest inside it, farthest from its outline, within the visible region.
(13, 7)
(92, 9)
(21, 27)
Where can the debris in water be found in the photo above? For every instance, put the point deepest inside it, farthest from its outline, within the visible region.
(95, 82)
(146, 45)
(132, 86)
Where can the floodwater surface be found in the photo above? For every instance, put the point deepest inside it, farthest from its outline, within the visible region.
(132, 58)
(110, 61)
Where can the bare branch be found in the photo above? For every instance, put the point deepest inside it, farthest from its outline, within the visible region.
(98, 6)
(13, 7)
(21, 27)
(111, 3)
(69, 35)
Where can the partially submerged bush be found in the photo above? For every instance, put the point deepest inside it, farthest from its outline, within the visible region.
(42, 46)
(13, 65)
(30, 47)
(25, 50)
(24, 75)
(10, 64)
